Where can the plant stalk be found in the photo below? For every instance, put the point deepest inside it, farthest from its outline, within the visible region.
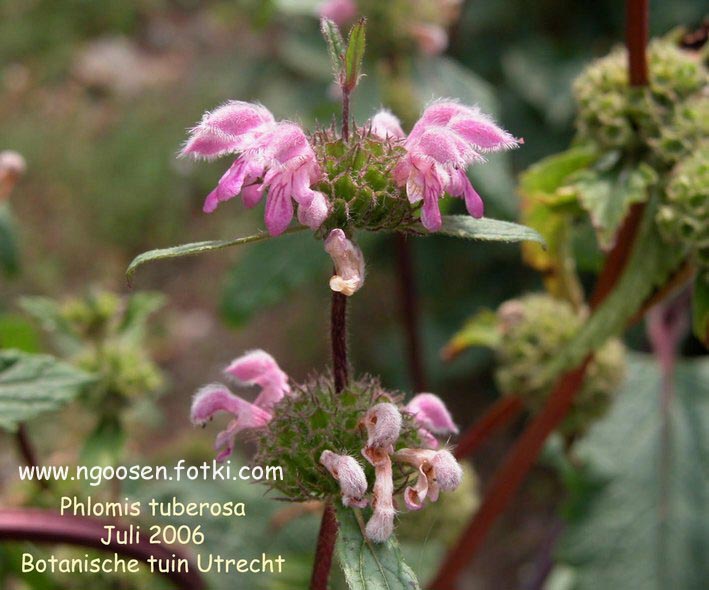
(325, 549)
(502, 412)
(27, 450)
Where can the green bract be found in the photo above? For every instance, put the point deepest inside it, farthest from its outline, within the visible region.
(662, 120)
(314, 419)
(533, 330)
(358, 182)
(683, 218)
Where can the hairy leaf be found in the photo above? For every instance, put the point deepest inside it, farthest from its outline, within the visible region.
(649, 266)
(355, 54)
(646, 525)
(479, 330)
(485, 229)
(335, 45)
(607, 196)
(195, 248)
(370, 566)
(31, 384)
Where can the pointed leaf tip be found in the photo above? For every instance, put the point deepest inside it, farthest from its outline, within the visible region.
(355, 54)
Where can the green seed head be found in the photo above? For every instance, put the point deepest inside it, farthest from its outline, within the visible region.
(533, 329)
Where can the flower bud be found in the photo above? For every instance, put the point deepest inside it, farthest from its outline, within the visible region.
(348, 261)
(432, 416)
(349, 474)
(383, 424)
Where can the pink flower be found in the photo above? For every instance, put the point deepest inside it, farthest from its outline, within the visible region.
(383, 425)
(381, 524)
(275, 157)
(348, 261)
(438, 471)
(350, 475)
(432, 417)
(386, 125)
(339, 11)
(254, 368)
(444, 142)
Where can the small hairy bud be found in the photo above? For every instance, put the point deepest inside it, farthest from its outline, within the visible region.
(383, 424)
(349, 474)
(447, 472)
(348, 261)
(431, 413)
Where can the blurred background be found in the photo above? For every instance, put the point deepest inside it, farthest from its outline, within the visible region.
(97, 97)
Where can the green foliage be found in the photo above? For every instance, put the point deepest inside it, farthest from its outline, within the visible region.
(683, 216)
(355, 54)
(194, 249)
(489, 230)
(335, 44)
(32, 384)
(269, 272)
(326, 421)
(9, 255)
(479, 330)
(646, 524)
(370, 566)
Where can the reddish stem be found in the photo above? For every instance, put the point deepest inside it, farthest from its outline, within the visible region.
(324, 549)
(43, 526)
(502, 412)
(338, 336)
(510, 476)
(410, 311)
(29, 455)
(637, 17)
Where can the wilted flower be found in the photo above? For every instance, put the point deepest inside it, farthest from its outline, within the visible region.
(348, 261)
(381, 524)
(275, 157)
(432, 417)
(350, 475)
(438, 471)
(444, 142)
(383, 425)
(255, 367)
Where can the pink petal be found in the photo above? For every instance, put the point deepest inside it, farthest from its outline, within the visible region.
(316, 213)
(427, 439)
(431, 413)
(386, 125)
(438, 113)
(444, 146)
(279, 210)
(430, 212)
(481, 131)
(473, 202)
(251, 195)
(260, 368)
(285, 142)
(215, 398)
(339, 11)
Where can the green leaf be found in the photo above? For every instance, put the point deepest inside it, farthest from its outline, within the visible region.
(104, 446)
(370, 566)
(479, 330)
(700, 306)
(488, 230)
(19, 333)
(195, 248)
(543, 180)
(608, 196)
(31, 384)
(646, 526)
(335, 45)
(139, 308)
(649, 266)
(48, 313)
(9, 255)
(269, 272)
(355, 54)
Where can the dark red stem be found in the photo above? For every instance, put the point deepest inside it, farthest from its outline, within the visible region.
(324, 549)
(338, 336)
(43, 526)
(410, 311)
(24, 444)
(502, 412)
(637, 16)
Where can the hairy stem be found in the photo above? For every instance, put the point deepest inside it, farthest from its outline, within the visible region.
(410, 311)
(324, 549)
(43, 526)
(338, 336)
(345, 114)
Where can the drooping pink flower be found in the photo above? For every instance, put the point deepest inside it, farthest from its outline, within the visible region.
(350, 475)
(438, 471)
(432, 417)
(339, 11)
(253, 368)
(380, 525)
(444, 142)
(275, 158)
(349, 263)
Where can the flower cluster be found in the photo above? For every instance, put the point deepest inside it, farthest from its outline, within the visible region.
(318, 455)
(348, 184)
